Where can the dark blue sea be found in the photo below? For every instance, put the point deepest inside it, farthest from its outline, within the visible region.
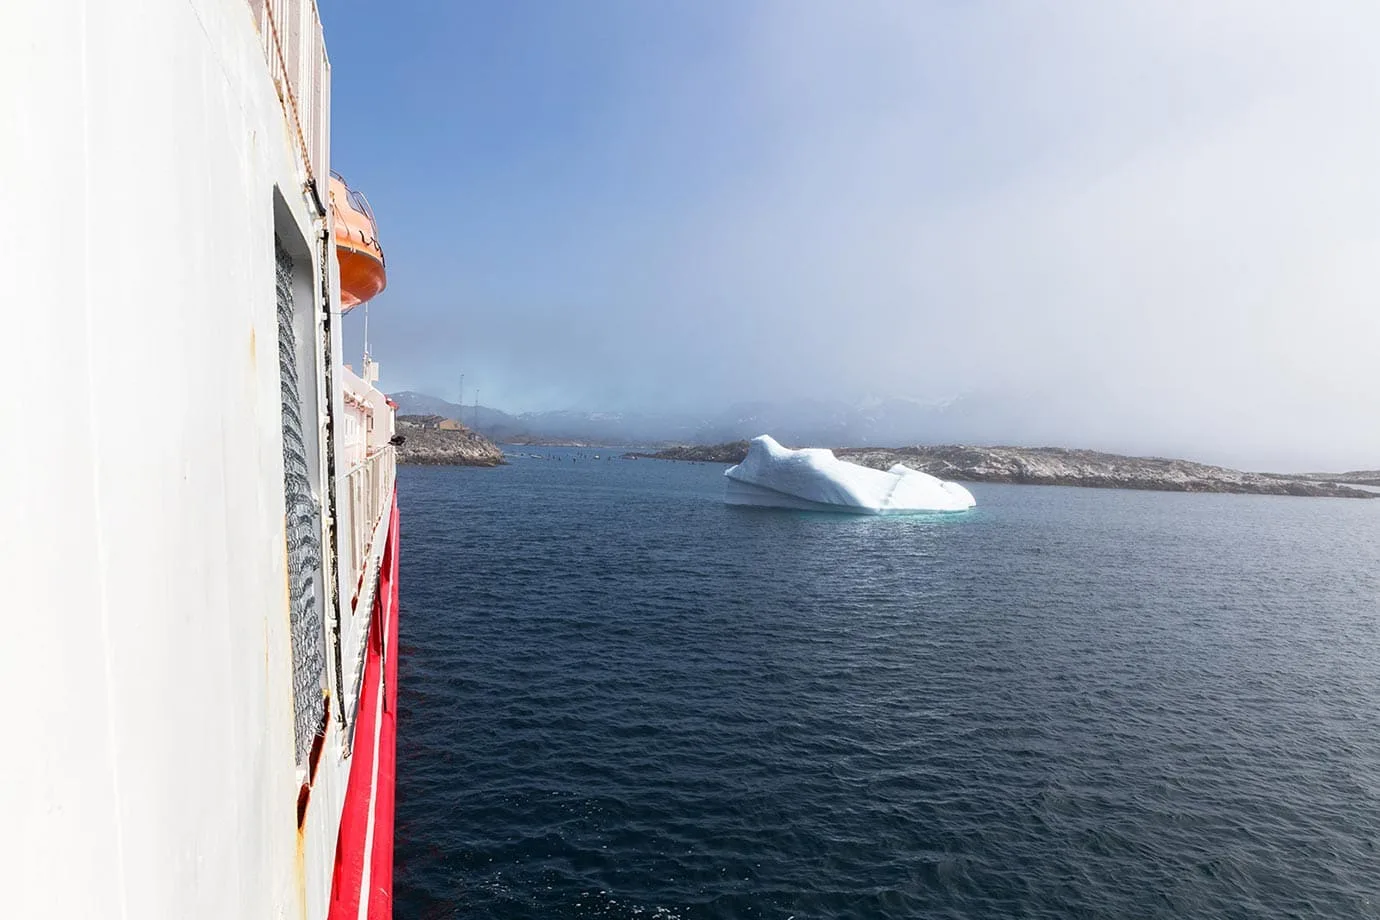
(622, 699)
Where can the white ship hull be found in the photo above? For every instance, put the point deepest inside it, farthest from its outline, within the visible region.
(151, 766)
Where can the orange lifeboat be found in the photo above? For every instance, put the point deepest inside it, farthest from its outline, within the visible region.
(357, 248)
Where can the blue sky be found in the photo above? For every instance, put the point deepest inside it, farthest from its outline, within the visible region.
(1150, 220)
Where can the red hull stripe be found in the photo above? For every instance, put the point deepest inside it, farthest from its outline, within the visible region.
(363, 793)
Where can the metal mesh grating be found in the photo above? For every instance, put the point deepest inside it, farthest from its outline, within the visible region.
(303, 531)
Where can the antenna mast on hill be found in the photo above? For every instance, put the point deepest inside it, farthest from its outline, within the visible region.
(461, 400)
(476, 408)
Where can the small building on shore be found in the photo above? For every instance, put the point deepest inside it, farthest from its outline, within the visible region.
(430, 422)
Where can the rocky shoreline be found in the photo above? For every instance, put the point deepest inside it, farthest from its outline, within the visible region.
(1053, 466)
(732, 452)
(1353, 478)
(423, 446)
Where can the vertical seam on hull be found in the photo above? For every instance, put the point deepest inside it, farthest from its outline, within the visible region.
(102, 560)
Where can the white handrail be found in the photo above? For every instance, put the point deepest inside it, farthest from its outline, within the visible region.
(369, 493)
(295, 48)
(369, 497)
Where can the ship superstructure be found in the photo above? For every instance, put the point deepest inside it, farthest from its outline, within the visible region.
(201, 528)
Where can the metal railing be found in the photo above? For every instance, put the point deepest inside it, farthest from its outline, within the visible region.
(368, 494)
(368, 500)
(295, 48)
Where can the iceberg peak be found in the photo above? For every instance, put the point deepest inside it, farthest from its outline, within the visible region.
(814, 479)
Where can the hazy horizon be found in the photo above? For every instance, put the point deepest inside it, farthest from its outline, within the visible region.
(1145, 228)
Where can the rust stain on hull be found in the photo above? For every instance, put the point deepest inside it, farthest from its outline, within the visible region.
(299, 871)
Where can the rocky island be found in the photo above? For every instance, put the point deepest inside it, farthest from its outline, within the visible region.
(1053, 466)
(436, 441)
(732, 452)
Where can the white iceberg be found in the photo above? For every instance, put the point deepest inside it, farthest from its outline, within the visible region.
(814, 479)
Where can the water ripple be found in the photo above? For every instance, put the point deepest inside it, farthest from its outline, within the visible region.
(621, 699)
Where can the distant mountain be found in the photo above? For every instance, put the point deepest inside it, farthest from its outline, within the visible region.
(562, 425)
(1034, 418)
(495, 424)
(410, 403)
(809, 421)
(875, 422)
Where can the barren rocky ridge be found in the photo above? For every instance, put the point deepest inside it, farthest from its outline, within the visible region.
(1057, 467)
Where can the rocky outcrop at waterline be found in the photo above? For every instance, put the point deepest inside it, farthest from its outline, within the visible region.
(732, 452)
(428, 445)
(1053, 466)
